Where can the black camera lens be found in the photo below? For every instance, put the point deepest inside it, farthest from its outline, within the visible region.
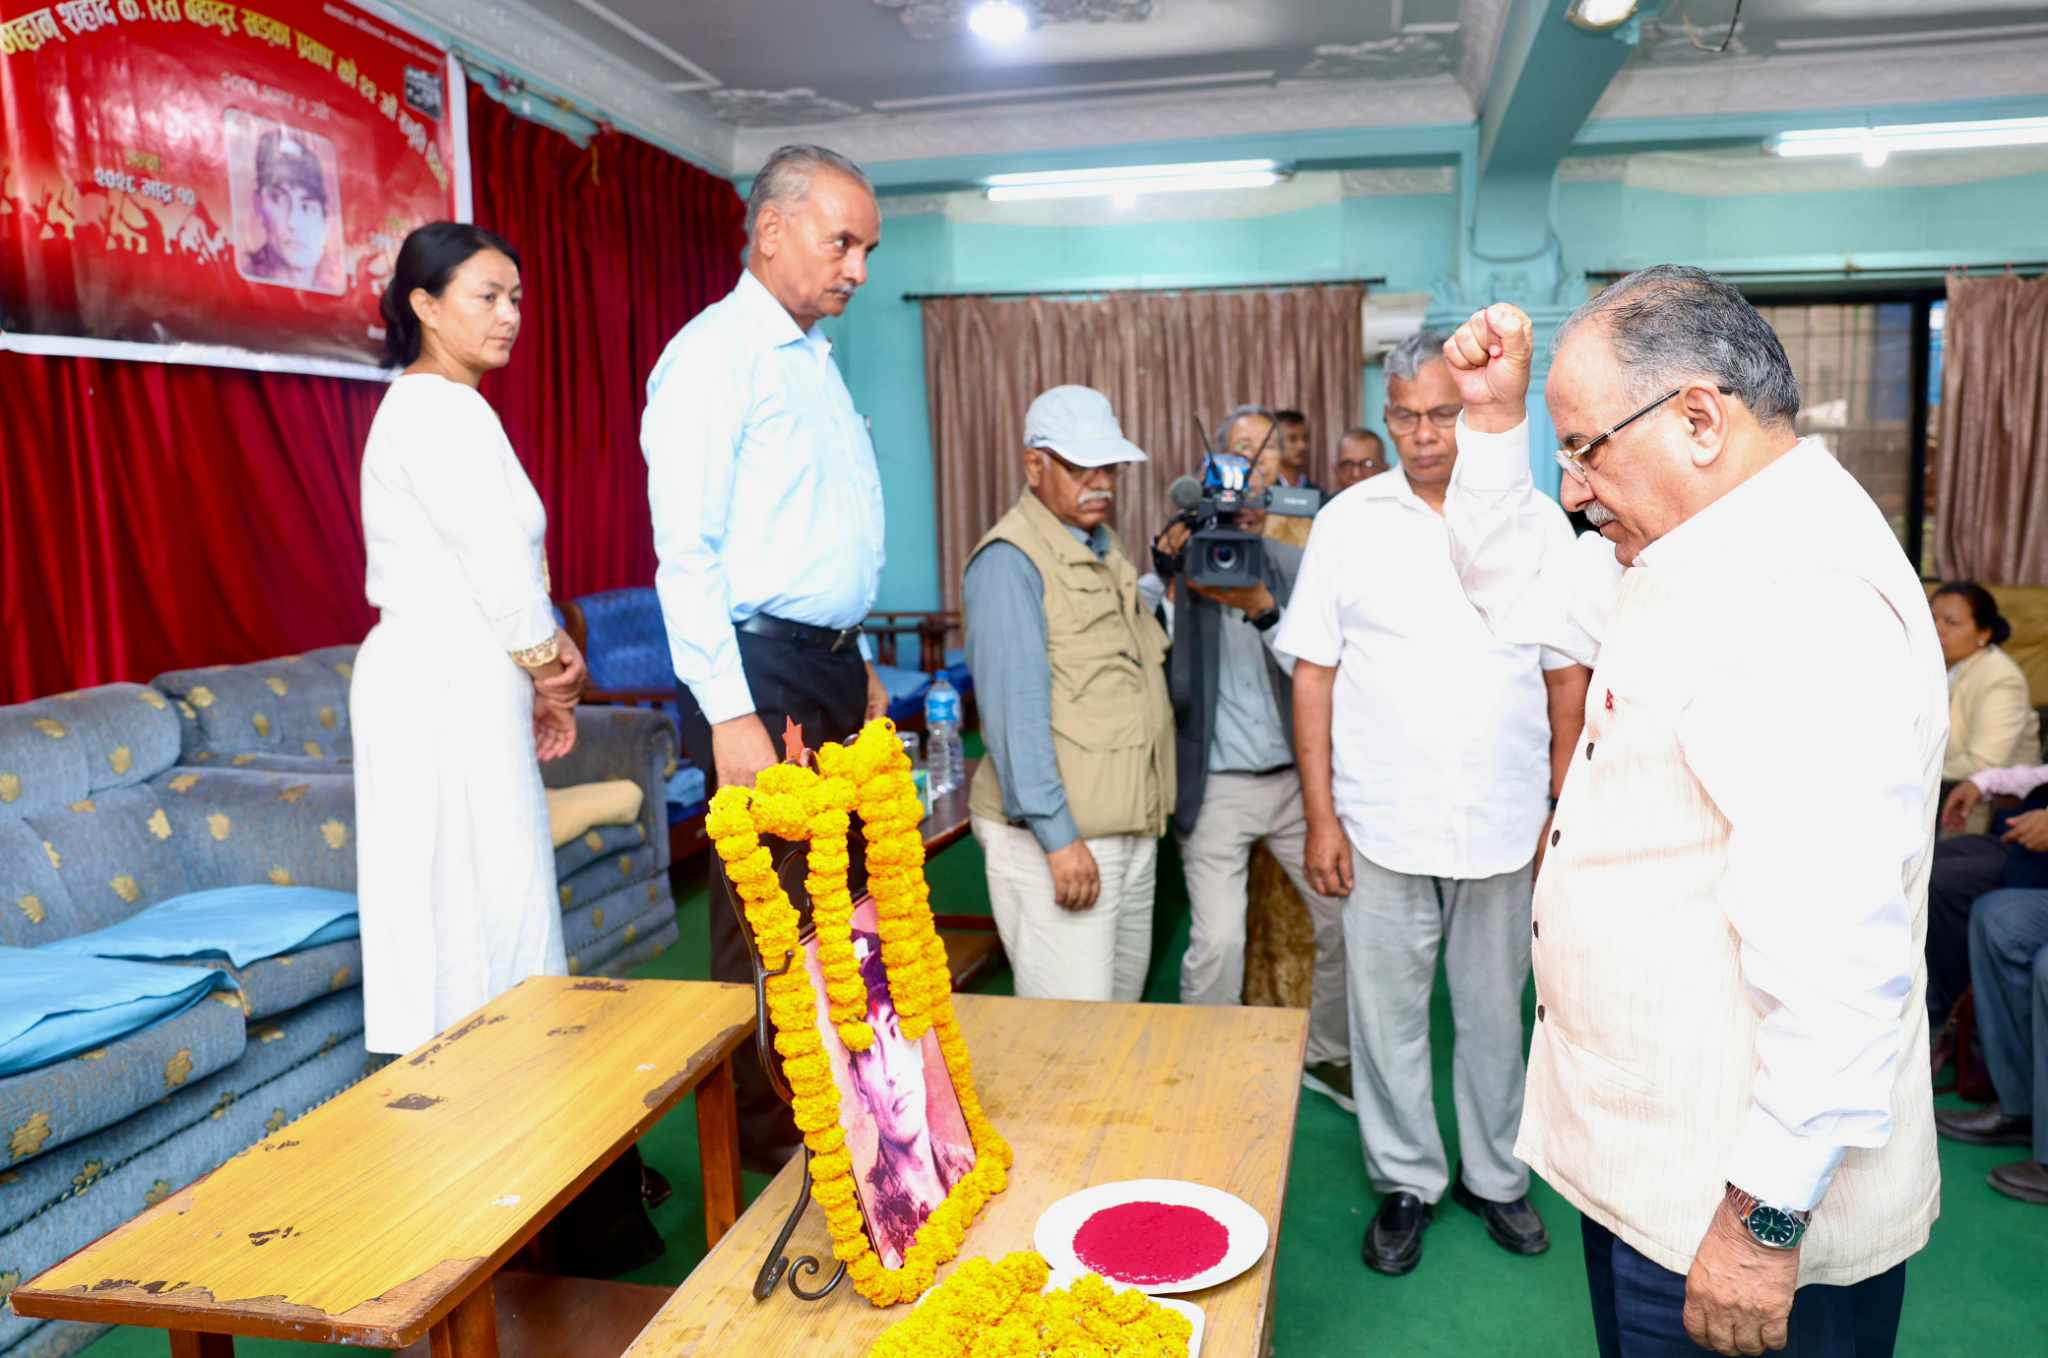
(1223, 557)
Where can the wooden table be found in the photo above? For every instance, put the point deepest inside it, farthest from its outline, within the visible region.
(380, 1217)
(1085, 1094)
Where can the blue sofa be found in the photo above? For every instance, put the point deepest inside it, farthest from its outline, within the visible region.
(116, 798)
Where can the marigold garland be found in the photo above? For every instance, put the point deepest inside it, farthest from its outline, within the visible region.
(871, 775)
(1001, 1310)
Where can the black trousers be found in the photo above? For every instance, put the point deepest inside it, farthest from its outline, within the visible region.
(1638, 1308)
(1965, 867)
(825, 692)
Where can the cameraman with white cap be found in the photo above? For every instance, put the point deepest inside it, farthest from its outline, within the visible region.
(1069, 672)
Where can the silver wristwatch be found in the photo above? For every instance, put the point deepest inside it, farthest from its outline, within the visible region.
(1775, 1228)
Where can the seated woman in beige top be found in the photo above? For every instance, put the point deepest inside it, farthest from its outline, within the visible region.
(1992, 722)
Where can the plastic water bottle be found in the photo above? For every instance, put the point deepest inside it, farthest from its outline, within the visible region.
(941, 737)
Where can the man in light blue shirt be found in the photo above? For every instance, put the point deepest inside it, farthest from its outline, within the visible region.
(767, 511)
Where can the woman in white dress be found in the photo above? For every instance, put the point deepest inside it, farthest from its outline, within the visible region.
(465, 683)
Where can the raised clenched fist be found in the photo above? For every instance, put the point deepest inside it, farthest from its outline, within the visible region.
(1489, 358)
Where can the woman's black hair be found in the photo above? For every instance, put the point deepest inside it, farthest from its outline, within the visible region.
(1983, 608)
(428, 259)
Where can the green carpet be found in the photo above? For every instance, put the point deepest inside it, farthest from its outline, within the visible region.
(1966, 1294)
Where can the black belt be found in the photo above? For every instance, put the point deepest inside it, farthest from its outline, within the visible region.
(1260, 773)
(803, 633)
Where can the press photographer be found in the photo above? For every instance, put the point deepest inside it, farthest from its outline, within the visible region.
(1232, 707)
(1221, 551)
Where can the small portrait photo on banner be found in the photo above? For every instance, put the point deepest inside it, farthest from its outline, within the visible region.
(904, 1129)
(287, 196)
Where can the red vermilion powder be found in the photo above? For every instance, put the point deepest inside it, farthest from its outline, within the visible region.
(1144, 1243)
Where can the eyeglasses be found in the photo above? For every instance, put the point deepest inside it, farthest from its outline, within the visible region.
(1402, 420)
(1359, 464)
(1573, 460)
(1079, 473)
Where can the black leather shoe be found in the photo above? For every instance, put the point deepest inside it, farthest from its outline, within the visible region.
(2027, 1181)
(1393, 1243)
(654, 1186)
(1990, 1126)
(1514, 1226)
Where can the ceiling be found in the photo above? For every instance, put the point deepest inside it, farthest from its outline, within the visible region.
(903, 79)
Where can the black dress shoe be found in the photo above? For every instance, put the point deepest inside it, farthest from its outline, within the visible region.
(1984, 1126)
(654, 1186)
(1393, 1243)
(1514, 1226)
(2026, 1180)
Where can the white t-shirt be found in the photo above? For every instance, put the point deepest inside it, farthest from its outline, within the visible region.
(1440, 734)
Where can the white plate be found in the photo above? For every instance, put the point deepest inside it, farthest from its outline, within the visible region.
(1249, 1234)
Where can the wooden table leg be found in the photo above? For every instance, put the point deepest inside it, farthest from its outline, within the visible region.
(718, 1150)
(192, 1344)
(471, 1329)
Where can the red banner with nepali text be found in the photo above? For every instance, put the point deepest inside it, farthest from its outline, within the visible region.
(200, 181)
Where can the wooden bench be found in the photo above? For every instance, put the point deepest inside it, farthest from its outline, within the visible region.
(380, 1218)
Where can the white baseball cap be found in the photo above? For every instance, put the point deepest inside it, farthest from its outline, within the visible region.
(1077, 423)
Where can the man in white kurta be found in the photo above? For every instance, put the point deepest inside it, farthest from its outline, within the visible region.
(1729, 1070)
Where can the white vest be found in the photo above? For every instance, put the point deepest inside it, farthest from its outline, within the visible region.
(1642, 1061)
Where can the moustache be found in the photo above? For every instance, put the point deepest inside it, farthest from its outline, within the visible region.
(1090, 497)
(1597, 514)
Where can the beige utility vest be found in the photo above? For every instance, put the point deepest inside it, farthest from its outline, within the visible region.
(1112, 723)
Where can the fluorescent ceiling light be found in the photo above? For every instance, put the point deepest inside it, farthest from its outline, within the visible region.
(998, 21)
(1601, 15)
(1124, 182)
(1133, 173)
(1125, 191)
(1876, 144)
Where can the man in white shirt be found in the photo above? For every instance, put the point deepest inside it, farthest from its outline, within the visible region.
(767, 513)
(1428, 752)
(1729, 1073)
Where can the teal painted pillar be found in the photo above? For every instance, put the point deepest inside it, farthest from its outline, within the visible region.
(1546, 79)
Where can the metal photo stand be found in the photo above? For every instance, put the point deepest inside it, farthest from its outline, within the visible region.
(778, 1267)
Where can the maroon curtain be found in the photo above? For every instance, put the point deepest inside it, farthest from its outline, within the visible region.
(154, 516)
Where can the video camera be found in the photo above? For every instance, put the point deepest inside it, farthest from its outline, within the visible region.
(1219, 554)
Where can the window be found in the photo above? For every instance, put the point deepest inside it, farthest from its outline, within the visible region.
(1869, 375)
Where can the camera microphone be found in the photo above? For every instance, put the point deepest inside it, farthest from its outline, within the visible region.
(1185, 492)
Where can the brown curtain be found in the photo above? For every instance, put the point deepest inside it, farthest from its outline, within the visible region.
(1991, 481)
(1170, 363)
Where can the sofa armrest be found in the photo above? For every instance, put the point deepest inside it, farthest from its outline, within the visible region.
(623, 742)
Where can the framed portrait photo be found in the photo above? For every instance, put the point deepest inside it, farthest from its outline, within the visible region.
(905, 1131)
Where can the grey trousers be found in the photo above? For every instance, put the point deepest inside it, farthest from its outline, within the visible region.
(2009, 972)
(1393, 924)
(1239, 810)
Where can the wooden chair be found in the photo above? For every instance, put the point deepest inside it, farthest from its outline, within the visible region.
(932, 629)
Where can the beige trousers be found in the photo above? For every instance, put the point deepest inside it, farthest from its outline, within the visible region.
(1096, 954)
(1238, 811)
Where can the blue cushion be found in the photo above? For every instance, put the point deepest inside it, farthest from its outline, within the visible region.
(59, 1006)
(241, 923)
(294, 705)
(596, 843)
(625, 642)
(686, 785)
(44, 1108)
